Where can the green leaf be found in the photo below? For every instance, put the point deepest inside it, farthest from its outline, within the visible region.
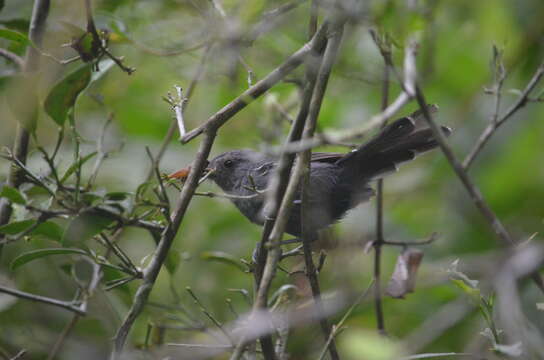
(36, 254)
(49, 230)
(16, 227)
(75, 165)
(83, 227)
(63, 95)
(224, 258)
(15, 36)
(12, 194)
(173, 260)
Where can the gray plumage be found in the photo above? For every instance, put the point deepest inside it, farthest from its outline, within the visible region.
(338, 182)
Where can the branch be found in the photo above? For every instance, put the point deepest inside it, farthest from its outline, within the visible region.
(277, 186)
(340, 137)
(68, 305)
(496, 123)
(474, 193)
(338, 326)
(308, 235)
(333, 138)
(380, 323)
(62, 337)
(172, 128)
(16, 59)
(159, 257)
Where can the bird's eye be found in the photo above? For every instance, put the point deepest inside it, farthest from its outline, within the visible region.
(228, 163)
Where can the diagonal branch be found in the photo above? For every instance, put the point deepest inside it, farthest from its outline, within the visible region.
(68, 305)
(474, 193)
(16, 59)
(159, 257)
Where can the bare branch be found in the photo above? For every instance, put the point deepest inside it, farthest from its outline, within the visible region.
(171, 130)
(380, 323)
(62, 337)
(68, 305)
(474, 193)
(308, 235)
(16, 59)
(497, 122)
(338, 326)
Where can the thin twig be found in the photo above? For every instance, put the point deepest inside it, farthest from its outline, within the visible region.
(201, 346)
(97, 41)
(68, 305)
(101, 153)
(380, 322)
(209, 315)
(16, 59)
(434, 236)
(125, 259)
(172, 129)
(19, 355)
(314, 13)
(407, 84)
(333, 138)
(269, 19)
(62, 337)
(496, 123)
(226, 196)
(177, 103)
(336, 328)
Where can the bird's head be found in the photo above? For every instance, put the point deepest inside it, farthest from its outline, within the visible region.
(229, 169)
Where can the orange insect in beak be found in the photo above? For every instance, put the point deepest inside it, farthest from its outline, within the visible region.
(184, 173)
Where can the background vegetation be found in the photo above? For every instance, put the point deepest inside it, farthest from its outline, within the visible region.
(223, 47)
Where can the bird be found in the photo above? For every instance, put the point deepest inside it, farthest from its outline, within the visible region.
(338, 181)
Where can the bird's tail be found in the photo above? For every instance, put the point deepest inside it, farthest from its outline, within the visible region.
(396, 143)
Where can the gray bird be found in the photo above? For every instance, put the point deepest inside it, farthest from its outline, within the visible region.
(338, 181)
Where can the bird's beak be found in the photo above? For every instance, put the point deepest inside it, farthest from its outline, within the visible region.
(184, 173)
